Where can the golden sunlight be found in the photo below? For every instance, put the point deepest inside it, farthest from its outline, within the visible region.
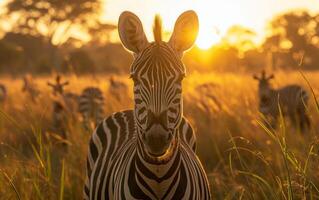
(207, 37)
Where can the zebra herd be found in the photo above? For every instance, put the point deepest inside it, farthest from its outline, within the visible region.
(149, 152)
(88, 105)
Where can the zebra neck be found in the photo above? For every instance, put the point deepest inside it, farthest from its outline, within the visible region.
(158, 169)
(158, 179)
(162, 160)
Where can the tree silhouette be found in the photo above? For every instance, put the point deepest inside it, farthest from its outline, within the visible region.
(295, 34)
(52, 19)
(240, 37)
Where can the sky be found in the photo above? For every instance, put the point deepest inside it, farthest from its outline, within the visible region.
(215, 16)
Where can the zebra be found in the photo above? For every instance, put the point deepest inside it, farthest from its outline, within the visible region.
(91, 106)
(3, 93)
(149, 152)
(30, 87)
(291, 99)
(58, 87)
(68, 100)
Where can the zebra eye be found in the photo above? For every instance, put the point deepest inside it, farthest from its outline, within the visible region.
(180, 78)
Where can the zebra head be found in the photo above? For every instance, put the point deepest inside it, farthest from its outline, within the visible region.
(157, 72)
(264, 88)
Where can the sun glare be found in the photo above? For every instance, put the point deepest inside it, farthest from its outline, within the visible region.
(207, 37)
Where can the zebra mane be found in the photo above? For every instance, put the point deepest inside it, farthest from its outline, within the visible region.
(157, 29)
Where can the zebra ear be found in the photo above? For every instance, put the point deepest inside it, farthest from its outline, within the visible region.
(256, 77)
(131, 32)
(271, 77)
(185, 31)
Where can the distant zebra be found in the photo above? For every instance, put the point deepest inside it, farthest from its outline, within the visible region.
(30, 87)
(292, 99)
(58, 86)
(3, 93)
(68, 100)
(148, 152)
(91, 106)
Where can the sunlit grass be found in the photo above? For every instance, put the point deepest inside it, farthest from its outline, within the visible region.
(243, 158)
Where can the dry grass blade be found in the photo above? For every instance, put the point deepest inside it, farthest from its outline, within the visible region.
(62, 182)
(11, 184)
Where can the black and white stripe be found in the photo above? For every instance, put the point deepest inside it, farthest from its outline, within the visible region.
(91, 105)
(149, 152)
(114, 145)
(291, 99)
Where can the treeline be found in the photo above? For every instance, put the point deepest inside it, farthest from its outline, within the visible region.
(292, 42)
(37, 38)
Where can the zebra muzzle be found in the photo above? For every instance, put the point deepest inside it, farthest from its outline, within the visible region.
(157, 140)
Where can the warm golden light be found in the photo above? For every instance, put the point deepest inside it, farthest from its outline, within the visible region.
(207, 37)
(221, 14)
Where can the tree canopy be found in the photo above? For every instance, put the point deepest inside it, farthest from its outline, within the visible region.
(51, 17)
(296, 34)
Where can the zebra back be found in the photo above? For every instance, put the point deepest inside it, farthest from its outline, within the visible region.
(293, 96)
(291, 100)
(91, 105)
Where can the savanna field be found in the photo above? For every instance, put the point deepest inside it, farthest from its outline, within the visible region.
(243, 159)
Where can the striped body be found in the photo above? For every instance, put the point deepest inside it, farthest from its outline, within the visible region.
(90, 105)
(116, 171)
(292, 101)
(148, 152)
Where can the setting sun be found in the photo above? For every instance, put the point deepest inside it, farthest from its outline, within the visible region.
(207, 37)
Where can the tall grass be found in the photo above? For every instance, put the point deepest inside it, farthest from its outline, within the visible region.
(244, 159)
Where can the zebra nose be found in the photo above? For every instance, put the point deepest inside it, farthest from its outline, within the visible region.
(161, 119)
